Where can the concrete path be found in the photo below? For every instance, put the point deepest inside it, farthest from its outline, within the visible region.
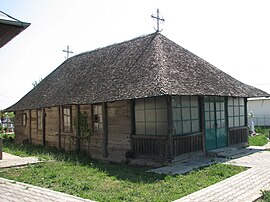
(12, 191)
(243, 187)
(10, 160)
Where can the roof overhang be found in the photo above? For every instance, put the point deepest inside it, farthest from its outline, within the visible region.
(9, 29)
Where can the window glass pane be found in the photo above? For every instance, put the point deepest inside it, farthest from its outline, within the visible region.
(139, 115)
(241, 101)
(242, 121)
(207, 116)
(195, 126)
(236, 121)
(218, 107)
(222, 122)
(212, 115)
(150, 103)
(150, 128)
(212, 124)
(242, 111)
(206, 106)
(162, 128)
(236, 111)
(175, 100)
(218, 115)
(150, 115)
(178, 127)
(139, 104)
(211, 106)
(185, 101)
(230, 121)
(176, 114)
(161, 102)
(140, 128)
(230, 101)
(186, 127)
(186, 113)
(222, 115)
(161, 114)
(235, 101)
(195, 113)
(222, 106)
(230, 111)
(194, 101)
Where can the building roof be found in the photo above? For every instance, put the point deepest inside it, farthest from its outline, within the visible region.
(147, 66)
(9, 28)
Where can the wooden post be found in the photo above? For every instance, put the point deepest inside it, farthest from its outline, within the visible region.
(43, 127)
(132, 123)
(170, 127)
(59, 128)
(202, 124)
(246, 118)
(30, 128)
(227, 120)
(105, 128)
(78, 129)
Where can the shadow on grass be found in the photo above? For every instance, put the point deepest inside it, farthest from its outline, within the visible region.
(120, 171)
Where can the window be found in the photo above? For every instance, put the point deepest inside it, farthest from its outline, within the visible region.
(39, 119)
(67, 119)
(24, 119)
(97, 118)
(236, 112)
(151, 116)
(185, 110)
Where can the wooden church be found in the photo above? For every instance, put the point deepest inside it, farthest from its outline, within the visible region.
(143, 98)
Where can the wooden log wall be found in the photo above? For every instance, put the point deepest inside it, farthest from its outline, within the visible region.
(20, 130)
(188, 143)
(119, 130)
(238, 135)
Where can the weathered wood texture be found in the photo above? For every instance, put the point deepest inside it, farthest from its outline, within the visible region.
(119, 130)
(238, 135)
(22, 132)
(153, 146)
(188, 143)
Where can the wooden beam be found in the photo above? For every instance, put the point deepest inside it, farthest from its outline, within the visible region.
(170, 127)
(202, 120)
(78, 132)
(59, 128)
(105, 128)
(30, 127)
(227, 120)
(132, 123)
(43, 127)
(246, 112)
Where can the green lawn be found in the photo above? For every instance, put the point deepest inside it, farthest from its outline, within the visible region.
(81, 176)
(258, 140)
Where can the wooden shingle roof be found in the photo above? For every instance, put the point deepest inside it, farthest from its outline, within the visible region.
(147, 66)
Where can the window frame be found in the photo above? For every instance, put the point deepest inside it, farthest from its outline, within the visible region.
(97, 120)
(67, 128)
(235, 105)
(157, 122)
(178, 105)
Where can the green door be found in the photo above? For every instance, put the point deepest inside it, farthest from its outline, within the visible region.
(215, 127)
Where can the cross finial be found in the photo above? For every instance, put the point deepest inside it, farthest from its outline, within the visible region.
(67, 51)
(158, 19)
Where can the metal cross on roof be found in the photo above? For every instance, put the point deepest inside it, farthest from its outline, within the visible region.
(158, 19)
(67, 51)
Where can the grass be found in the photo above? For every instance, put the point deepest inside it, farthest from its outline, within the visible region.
(258, 140)
(81, 176)
(265, 196)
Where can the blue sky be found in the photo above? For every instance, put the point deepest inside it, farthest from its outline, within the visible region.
(233, 35)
